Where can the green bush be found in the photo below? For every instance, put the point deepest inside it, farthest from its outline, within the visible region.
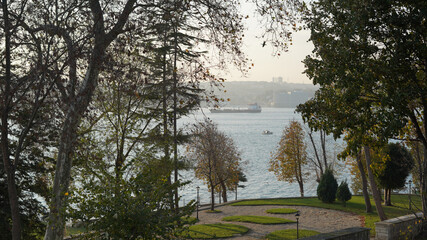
(343, 193)
(327, 189)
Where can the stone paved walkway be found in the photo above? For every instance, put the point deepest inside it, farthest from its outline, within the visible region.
(311, 218)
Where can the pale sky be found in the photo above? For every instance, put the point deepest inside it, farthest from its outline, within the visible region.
(288, 65)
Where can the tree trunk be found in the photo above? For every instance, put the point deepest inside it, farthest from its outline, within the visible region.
(375, 192)
(11, 184)
(316, 154)
(9, 167)
(175, 100)
(76, 107)
(423, 183)
(224, 192)
(386, 193)
(301, 188)
(323, 144)
(387, 197)
(55, 228)
(56, 223)
(165, 122)
(212, 197)
(368, 205)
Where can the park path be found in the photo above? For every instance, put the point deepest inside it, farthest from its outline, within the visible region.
(311, 218)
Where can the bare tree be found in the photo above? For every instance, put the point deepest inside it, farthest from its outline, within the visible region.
(216, 158)
(23, 94)
(320, 160)
(77, 106)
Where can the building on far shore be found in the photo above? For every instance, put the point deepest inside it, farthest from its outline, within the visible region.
(277, 79)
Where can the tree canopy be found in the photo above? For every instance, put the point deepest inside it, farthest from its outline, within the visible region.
(56, 53)
(217, 159)
(288, 161)
(369, 60)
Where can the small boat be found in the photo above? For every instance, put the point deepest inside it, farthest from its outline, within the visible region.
(266, 132)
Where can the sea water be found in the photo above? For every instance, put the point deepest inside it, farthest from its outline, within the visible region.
(246, 131)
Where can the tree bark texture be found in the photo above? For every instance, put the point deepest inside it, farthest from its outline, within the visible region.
(387, 197)
(316, 154)
(11, 184)
(374, 188)
(75, 110)
(224, 192)
(364, 185)
(423, 183)
(9, 167)
(212, 196)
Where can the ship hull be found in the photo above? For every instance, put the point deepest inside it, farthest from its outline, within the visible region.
(235, 110)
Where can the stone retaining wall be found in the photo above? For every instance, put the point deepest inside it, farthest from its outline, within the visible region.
(354, 233)
(403, 227)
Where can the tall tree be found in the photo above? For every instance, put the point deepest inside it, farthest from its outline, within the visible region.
(291, 156)
(392, 166)
(217, 161)
(369, 60)
(116, 166)
(80, 32)
(78, 103)
(26, 91)
(360, 183)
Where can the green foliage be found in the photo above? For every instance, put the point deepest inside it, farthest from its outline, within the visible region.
(343, 192)
(257, 219)
(369, 64)
(327, 188)
(289, 234)
(281, 210)
(138, 207)
(189, 220)
(33, 181)
(395, 168)
(208, 231)
(291, 156)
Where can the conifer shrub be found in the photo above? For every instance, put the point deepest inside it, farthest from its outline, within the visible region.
(327, 188)
(343, 192)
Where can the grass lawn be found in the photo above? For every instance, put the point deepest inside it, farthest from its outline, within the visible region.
(74, 230)
(257, 219)
(219, 230)
(290, 234)
(213, 211)
(189, 220)
(355, 205)
(281, 211)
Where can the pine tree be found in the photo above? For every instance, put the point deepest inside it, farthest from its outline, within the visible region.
(343, 193)
(327, 188)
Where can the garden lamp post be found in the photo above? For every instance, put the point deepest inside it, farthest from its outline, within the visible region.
(410, 192)
(197, 203)
(236, 191)
(297, 217)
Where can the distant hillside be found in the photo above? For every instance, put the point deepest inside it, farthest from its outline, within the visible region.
(267, 94)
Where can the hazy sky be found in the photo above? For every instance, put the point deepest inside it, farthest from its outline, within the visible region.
(288, 65)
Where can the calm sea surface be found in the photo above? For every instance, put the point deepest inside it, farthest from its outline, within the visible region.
(246, 131)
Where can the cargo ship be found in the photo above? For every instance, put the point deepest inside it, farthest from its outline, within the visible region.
(252, 108)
